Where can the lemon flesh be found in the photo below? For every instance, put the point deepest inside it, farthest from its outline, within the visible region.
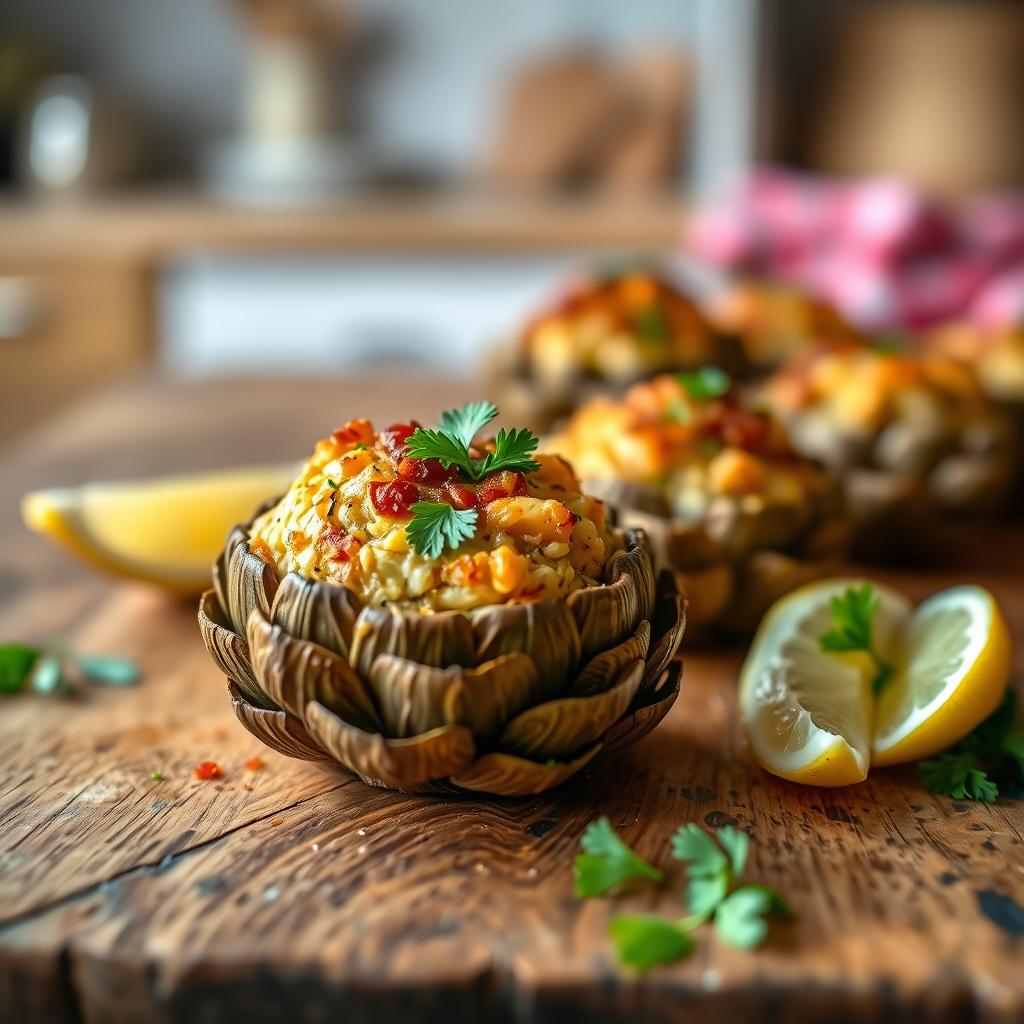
(166, 531)
(808, 714)
(952, 669)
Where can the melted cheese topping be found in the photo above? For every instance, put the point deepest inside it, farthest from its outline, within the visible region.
(545, 543)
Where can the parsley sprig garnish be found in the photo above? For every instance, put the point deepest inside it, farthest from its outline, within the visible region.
(714, 892)
(436, 525)
(984, 761)
(57, 669)
(450, 442)
(853, 614)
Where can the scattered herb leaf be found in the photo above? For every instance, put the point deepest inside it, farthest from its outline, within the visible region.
(706, 383)
(740, 919)
(47, 676)
(853, 614)
(645, 941)
(607, 862)
(435, 524)
(107, 669)
(16, 664)
(333, 483)
(157, 776)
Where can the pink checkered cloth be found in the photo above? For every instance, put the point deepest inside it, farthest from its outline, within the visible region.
(883, 253)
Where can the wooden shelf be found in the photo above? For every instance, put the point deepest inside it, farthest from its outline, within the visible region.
(149, 228)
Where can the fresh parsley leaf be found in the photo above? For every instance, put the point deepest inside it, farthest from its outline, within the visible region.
(853, 613)
(740, 919)
(645, 941)
(1013, 749)
(704, 894)
(465, 423)
(157, 776)
(16, 664)
(446, 448)
(110, 670)
(47, 676)
(512, 451)
(706, 383)
(435, 525)
(957, 775)
(710, 871)
(607, 862)
(702, 854)
(736, 844)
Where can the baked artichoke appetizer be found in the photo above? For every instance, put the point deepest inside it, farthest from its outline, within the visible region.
(429, 613)
(731, 510)
(772, 322)
(910, 438)
(604, 333)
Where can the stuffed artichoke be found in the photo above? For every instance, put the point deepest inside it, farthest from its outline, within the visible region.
(771, 322)
(911, 439)
(431, 613)
(604, 333)
(731, 510)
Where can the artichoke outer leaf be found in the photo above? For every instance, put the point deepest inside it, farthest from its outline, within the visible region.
(559, 727)
(603, 669)
(636, 561)
(277, 729)
(639, 721)
(605, 615)
(251, 583)
(545, 631)
(321, 612)
(415, 698)
(408, 764)
(440, 639)
(667, 630)
(296, 672)
(230, 651)
(508, 775)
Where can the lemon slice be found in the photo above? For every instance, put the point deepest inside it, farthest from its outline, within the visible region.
(808, 714)
(166, 531)
(951, 672)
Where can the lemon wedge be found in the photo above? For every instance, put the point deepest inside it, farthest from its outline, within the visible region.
(166, 531)
(812, 716)
(808, 714)
(951, 673)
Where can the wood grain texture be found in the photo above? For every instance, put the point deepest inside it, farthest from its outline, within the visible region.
(294, 890)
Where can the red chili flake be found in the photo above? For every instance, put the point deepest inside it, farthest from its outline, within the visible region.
(424, 471)
(393, 497)
(395, 436)
(502, 484)
(254, 764)
(208, 770)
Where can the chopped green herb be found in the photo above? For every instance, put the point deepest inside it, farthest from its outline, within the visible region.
(359, 447)
(987, 759)
(645, 941)
(706, 383)
(607, 862)
(853, 614)
(435, 525)
(16, 664)
(157, 776)
(332, 483)
(110, 670)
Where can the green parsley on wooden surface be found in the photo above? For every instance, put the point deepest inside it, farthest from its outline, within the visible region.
(607, 862)
(57, 669)
(853, 614)
(984, 762)
(435, 524)
(714, 892)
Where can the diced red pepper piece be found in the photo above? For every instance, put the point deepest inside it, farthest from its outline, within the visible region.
(254, 764)
(393, 497)
(395, 436)
(207, 770)
(425, 471)
(459, 495)
(502, 484)
(338, 545)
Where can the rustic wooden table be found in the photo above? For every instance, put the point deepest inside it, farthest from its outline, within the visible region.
(292, 890)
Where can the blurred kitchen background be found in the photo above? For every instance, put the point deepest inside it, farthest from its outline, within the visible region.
(307, 187)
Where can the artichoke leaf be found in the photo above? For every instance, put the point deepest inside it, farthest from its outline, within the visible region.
(296, 672)
(558, 727)
(406, 764)
(230, 651)
(636, 561)
(639, 721)
(603, 669)
(544, 630)
(416, 698)
(322, 612)
(605, 615)
(667, 629)
(251, 583)
(277, 729)
(508, 775)
(438, 639)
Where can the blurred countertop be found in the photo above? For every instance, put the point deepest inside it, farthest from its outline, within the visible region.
(147, 227)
